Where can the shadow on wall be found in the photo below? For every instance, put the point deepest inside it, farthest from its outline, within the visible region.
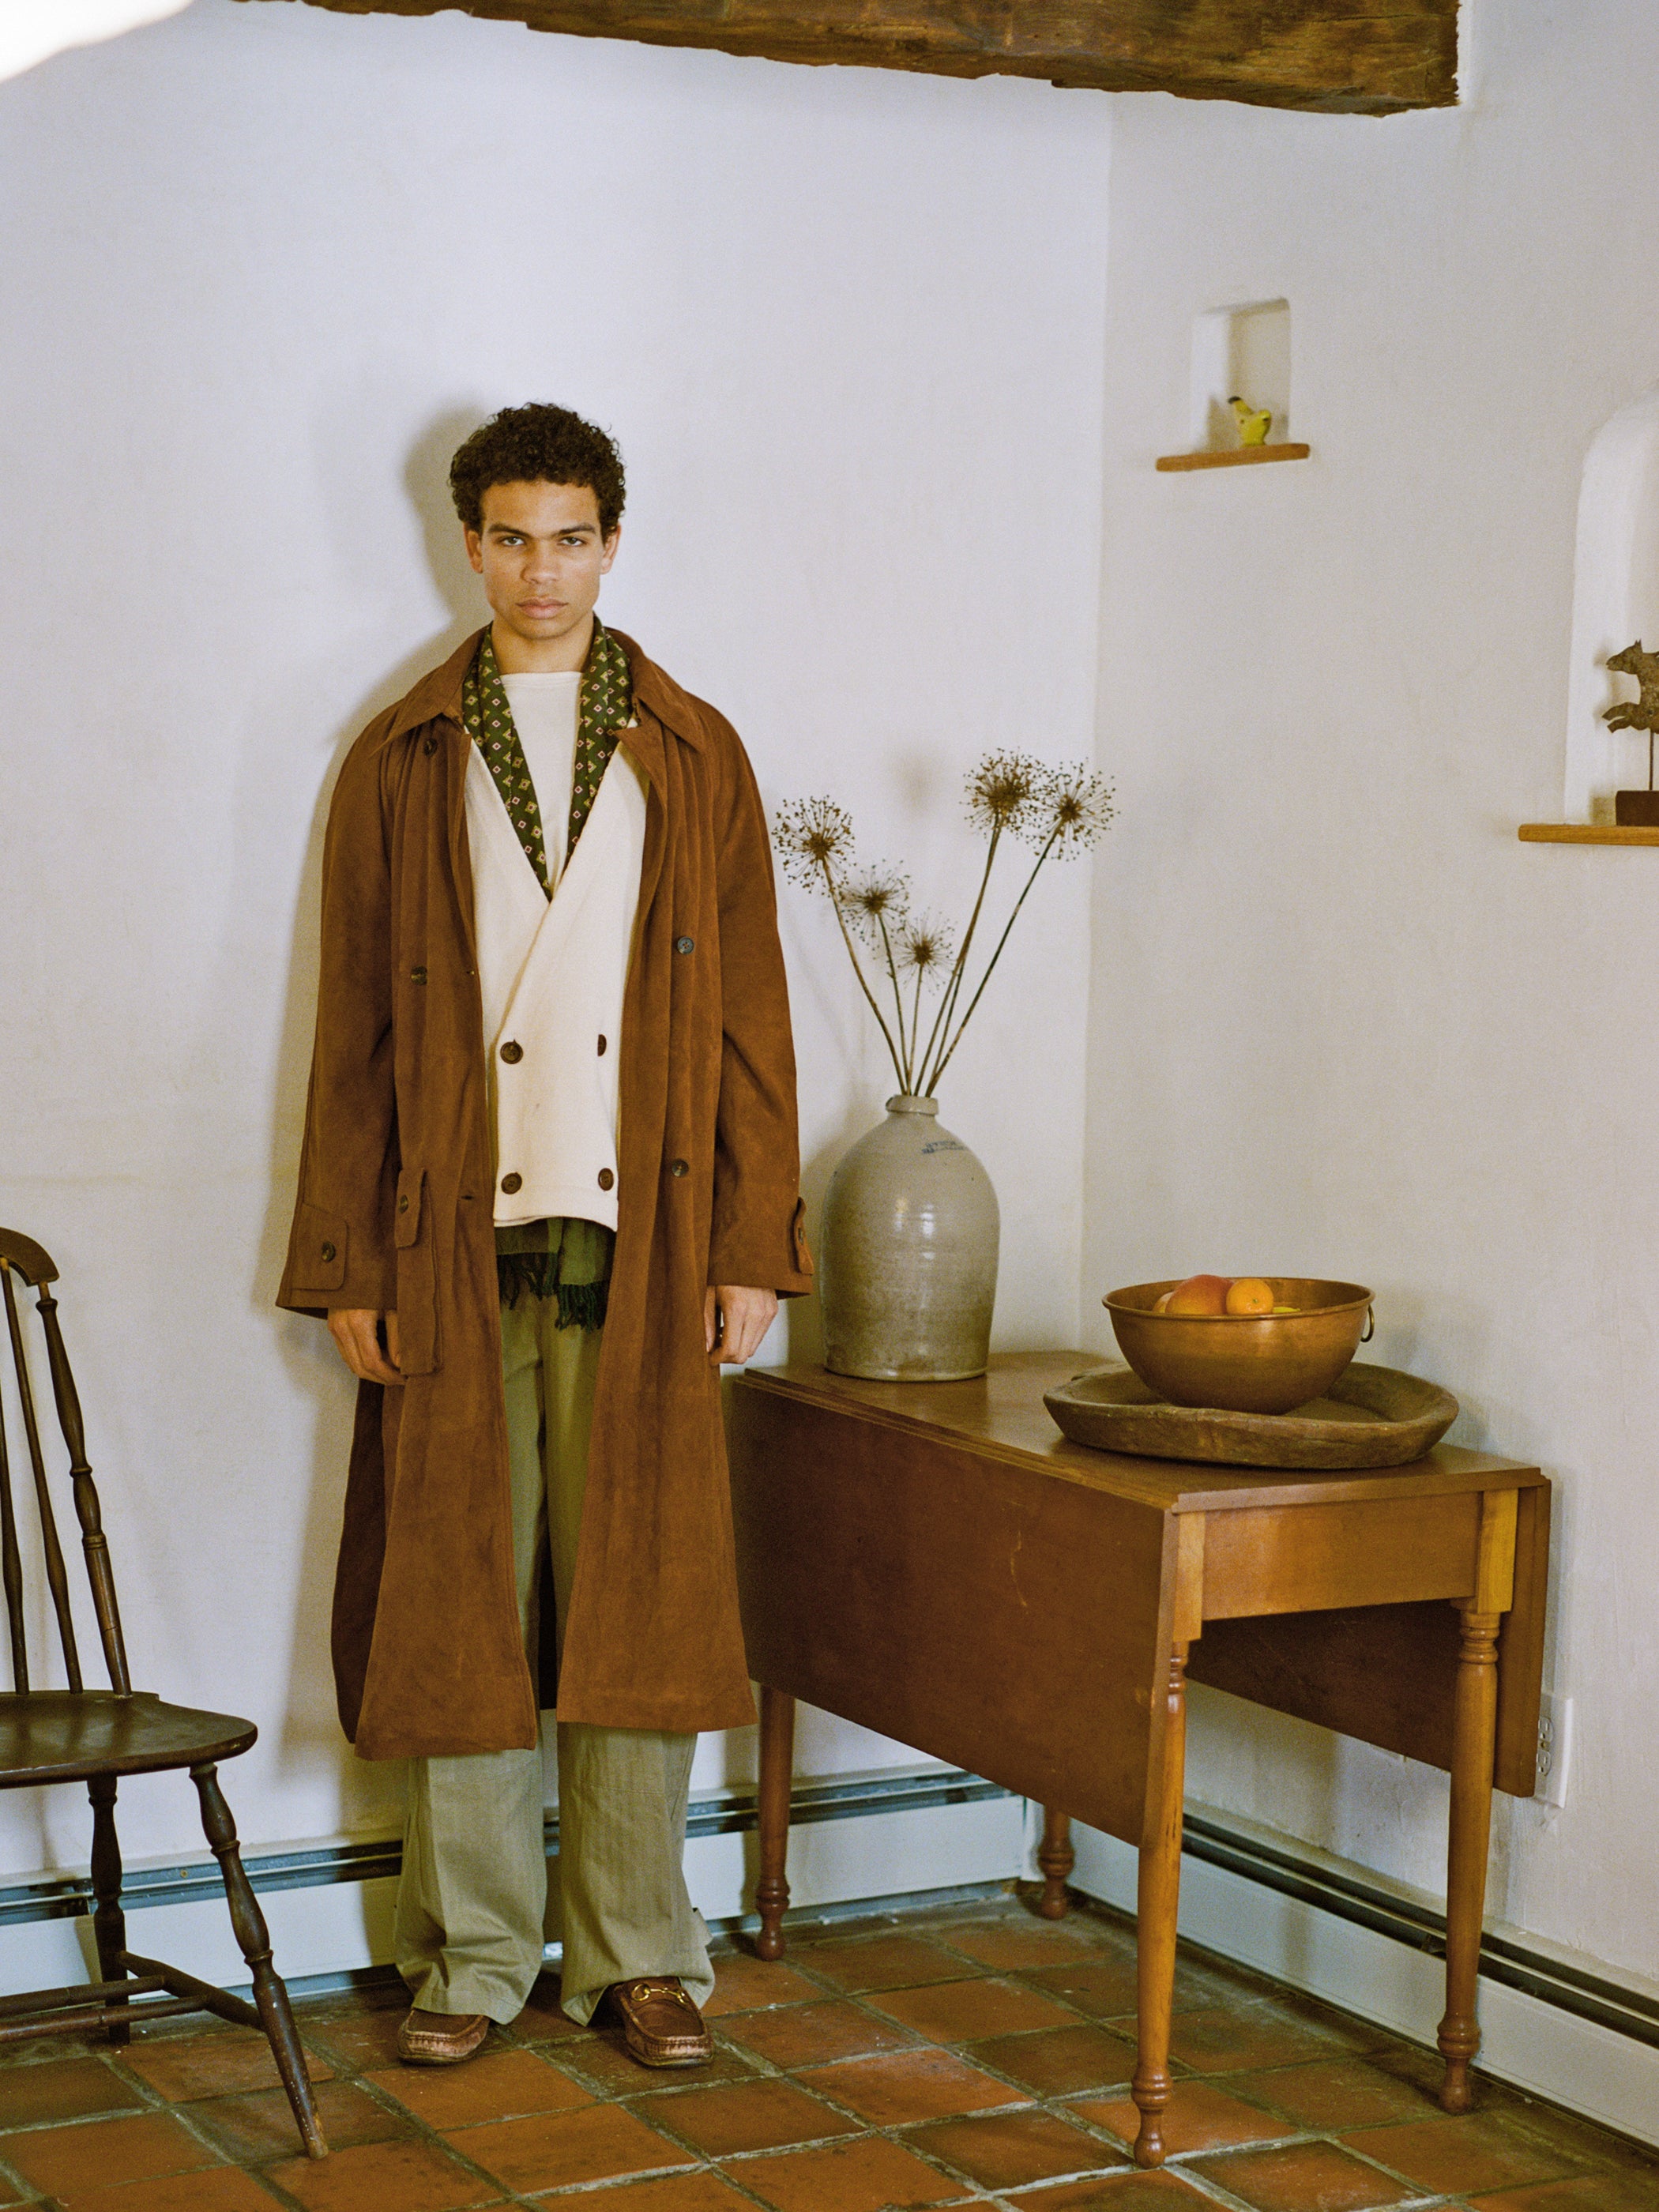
(307, 1351)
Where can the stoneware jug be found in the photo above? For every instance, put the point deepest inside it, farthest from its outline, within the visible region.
(908, 1253)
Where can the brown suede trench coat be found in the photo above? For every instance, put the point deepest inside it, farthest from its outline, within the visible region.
(395, 1212)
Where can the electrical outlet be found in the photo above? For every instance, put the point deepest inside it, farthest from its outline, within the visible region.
(1555, 1749)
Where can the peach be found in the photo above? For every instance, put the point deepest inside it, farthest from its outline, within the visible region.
(1200, 1294)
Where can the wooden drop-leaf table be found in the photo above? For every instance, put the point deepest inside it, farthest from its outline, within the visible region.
(935, 1562)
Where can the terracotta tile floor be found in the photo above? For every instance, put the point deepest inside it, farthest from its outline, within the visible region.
(971, 2055)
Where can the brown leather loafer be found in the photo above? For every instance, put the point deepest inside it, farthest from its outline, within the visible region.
(440, 2039)
(661, 2025)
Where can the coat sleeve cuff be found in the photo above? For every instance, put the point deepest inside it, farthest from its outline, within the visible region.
(328, 1267)
(766, 1261)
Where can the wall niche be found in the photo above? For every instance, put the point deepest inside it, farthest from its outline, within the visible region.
(1244, 350)
(1615, 600)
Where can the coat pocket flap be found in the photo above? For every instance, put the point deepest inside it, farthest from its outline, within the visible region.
(406, 1222)
(316, 1258)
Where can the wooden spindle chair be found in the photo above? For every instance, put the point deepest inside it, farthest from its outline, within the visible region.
(95, 1736)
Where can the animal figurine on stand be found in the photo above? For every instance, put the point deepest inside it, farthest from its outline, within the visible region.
(1254, 423)
(1636, 808)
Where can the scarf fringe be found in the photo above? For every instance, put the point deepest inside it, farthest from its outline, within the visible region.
(581, 1305)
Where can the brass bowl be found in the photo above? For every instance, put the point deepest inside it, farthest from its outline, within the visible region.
(1243, 1363)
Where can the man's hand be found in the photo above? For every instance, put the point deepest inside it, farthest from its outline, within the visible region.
(734, 1320)
(355, 1331)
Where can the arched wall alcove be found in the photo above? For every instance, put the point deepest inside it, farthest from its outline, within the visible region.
(1615, 600)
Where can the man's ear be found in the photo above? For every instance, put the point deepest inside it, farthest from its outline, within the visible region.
(474, 541)
(609, 553)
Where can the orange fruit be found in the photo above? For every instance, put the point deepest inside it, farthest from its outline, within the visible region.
(1250, 1294)
(1200, 1294)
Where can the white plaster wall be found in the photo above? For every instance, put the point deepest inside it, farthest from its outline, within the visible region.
(262, 267)
(1343, 1022)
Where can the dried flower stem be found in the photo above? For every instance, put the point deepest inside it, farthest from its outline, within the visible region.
(833, 890)
(902, 1061)
(945, 1063)
(953, 985)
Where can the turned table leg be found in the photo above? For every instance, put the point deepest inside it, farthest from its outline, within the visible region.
(1056, 1858)
(777, 1774)
(1475, 1735)
(1474, 1747)
(1158, 1901)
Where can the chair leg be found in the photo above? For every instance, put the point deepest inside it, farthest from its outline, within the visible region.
(249, 1923)
(109, 1922)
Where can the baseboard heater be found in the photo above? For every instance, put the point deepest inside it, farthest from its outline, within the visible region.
(189, 1881)
(1588, 1997)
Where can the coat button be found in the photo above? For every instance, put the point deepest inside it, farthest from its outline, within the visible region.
(403, 1203)
(601, 1048)
(512, 1182)
(678, 1167)
(417, 974)
(429, 747)
(606, 1178)
(686, 945)
(328, 1251)
(512, 1053)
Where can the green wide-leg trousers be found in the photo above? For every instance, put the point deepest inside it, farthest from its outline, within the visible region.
(472, 1901)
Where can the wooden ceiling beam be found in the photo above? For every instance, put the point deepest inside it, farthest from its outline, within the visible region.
(1342, 57)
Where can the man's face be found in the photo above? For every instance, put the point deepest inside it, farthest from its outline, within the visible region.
(541, 556)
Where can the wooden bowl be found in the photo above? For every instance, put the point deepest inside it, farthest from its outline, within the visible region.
(1243, 1363)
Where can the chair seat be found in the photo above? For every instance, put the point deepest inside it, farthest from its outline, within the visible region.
(66, 1735)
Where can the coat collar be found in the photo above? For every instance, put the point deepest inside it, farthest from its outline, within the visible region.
(437, 696)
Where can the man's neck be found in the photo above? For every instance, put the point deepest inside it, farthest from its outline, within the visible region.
(557, 656)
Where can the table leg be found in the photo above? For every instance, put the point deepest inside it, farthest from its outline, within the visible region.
(1475, 1735)
(1157, 1903)
(777, 1774)
(1056, 1858)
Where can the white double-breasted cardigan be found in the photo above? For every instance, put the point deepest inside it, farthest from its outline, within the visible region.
(553, 973)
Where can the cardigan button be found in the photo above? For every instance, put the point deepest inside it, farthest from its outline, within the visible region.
(429, 747)
(512, 1182)
(403, 1203)
(328, 1251)
(686, 945)
(417, 974)
(606, 1178)
(678, 1167)
(512, 1053)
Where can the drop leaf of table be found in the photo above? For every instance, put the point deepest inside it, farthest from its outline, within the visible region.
(933, 1561)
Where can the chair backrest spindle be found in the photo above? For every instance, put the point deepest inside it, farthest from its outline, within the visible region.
(99, 1572)
(11, 1567)
(57, 1579)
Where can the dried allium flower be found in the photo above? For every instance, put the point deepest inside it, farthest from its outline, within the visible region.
(1075, 809)
(815, 837)
(879, 901)
(924, 944)
(1002, 789)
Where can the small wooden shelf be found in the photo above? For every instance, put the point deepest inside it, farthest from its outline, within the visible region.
(1584, 833)
(1234, 456)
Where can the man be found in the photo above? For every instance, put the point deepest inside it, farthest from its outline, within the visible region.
(550, 1183)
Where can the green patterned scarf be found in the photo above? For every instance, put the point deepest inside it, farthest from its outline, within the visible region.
(565, 1259)
(607, 703)
(569, 1260)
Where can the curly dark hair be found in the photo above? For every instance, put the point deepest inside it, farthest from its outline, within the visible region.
(538, 444)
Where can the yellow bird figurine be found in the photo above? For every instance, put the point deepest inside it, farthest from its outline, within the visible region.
(1253, 422)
